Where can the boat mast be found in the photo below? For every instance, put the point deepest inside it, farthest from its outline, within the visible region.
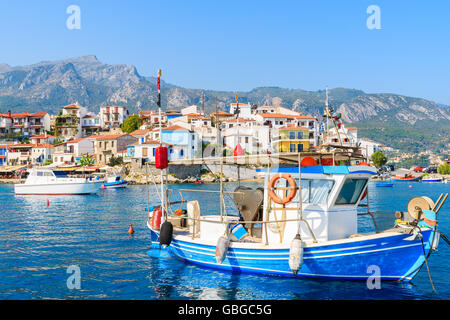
(219, 149)
(158, 84)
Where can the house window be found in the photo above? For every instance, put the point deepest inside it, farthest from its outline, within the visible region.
(291, 147)
(300, 147)
(246, 139)
(112, 144)
(154, 151)
(291, 135)
(181, 152)
(299, 135)
(144, 152)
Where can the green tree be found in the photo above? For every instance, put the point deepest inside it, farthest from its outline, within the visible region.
(444, 168)
(86, 160)
(115, 161)
(379, 159)
(26, 140)
(132, 123)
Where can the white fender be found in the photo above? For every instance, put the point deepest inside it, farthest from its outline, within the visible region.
(296, 254)
(222, 248)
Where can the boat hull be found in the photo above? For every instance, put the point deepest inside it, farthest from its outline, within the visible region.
(111, 185)
(57, 188)
(384, 185)
(431, 180)
(394, 257)
(405, 180)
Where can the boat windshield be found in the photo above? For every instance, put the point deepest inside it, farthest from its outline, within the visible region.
(60, 174)
(351, 190)
(316, 191)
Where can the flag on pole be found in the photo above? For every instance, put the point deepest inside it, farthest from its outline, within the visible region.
(158, 85)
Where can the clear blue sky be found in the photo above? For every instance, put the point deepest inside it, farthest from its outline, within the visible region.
(239, 45)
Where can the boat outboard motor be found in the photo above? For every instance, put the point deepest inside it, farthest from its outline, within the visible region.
(166, 233)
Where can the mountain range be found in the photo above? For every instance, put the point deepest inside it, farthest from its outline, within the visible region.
(49, 85)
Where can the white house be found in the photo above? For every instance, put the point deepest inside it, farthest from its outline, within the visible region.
(80, 146)
(112, 116)
(245, 110)
(184, 143)
(41, 153)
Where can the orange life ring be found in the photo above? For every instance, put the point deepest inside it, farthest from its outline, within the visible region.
(178, 212)
(275, 198)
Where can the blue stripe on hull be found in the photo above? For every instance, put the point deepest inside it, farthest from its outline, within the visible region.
(397, 259)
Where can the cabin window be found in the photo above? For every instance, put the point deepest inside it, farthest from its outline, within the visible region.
(351, 191)
(316, 191)
(40, 174)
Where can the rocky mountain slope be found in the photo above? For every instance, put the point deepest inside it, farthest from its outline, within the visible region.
(49, 85)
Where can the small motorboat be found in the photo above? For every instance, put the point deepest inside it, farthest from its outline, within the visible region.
(431, 179)
(384, 184)
(53, 182)
(406, 178)
(114, 182)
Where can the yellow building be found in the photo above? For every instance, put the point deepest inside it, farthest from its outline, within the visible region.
(291, 138)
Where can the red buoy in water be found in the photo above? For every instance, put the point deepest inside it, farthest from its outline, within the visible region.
(131, 230)
(48, 202)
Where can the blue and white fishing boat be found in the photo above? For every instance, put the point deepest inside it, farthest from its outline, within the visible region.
(114, 182)
(302, 223)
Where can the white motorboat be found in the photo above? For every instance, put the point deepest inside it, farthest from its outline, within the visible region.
(52, 182)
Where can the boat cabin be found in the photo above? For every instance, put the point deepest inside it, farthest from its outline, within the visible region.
(328, 210)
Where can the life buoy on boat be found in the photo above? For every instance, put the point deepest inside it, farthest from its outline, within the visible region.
(293, 188)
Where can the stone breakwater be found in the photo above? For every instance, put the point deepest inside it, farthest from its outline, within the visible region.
(183, 174)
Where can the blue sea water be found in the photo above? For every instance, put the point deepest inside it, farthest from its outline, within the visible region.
(39, 243)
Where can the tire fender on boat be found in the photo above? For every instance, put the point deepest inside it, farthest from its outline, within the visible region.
(166, 233)
(296, 254)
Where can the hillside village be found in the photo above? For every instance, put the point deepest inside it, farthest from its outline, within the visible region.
(62, 140)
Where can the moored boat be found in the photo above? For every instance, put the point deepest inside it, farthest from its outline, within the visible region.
(114, 182)
(406, 178)
(309, 233)
(384, 185)
(41, 181)
(432, 179)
